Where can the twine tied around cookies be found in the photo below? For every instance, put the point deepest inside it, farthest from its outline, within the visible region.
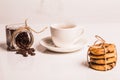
(101, 42)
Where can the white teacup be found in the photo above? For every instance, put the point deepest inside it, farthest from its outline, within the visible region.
(65, 35)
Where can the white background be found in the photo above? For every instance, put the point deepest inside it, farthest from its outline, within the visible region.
(101, 17)
(84, 11)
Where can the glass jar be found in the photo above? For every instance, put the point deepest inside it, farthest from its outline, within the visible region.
(18, 36)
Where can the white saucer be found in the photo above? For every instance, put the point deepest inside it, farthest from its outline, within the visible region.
(48, 43)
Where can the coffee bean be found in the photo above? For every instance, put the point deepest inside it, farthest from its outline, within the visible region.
(25, 55)
(32, 54)
(33, 49)
(25, 52)
(23, 40)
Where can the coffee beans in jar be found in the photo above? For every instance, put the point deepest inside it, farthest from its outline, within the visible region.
(10, 29)
(20, 39)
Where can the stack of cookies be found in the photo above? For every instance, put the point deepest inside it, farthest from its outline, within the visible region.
(102, 56)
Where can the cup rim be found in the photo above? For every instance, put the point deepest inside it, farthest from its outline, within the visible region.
(54, 26)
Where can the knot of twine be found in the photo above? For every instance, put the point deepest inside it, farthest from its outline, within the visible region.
(102, 41)
(28, 28)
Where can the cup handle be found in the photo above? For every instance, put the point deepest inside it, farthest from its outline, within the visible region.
(79, 36)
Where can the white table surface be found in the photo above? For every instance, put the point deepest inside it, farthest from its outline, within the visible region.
(47, 65)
